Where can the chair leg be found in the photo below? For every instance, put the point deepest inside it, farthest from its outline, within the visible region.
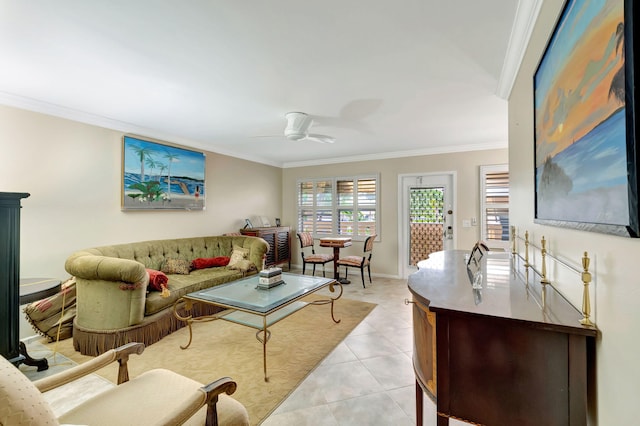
(362, 276)
(369, 269)
(304, 266)
(314, 269)
(323, 269)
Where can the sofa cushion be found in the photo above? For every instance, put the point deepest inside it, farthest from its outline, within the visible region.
(238, 254)
(210, 262)
(176, 266)
(244, 265)
(53, 316)
(157, 280)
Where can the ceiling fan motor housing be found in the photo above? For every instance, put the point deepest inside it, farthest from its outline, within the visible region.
(297, 125)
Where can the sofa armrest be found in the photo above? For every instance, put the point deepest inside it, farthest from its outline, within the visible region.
(258, 249)
(90, 266)
(111, 292)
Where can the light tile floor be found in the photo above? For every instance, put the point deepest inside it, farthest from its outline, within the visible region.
(368, 379)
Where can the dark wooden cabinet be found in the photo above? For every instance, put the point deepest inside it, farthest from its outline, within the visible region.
(10, 274)
(279, 239)
(510, 353)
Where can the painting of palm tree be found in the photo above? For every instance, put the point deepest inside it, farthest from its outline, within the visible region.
(581, 111)
(161, 176)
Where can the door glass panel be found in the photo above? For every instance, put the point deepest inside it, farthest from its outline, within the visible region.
(426, 222)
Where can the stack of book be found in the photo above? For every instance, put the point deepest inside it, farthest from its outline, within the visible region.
(268, 278)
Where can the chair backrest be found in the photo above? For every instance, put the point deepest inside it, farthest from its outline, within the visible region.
(21, 403)
(306, 239)
(368, 243)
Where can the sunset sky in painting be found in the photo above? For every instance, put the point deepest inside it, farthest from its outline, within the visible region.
(572, 83)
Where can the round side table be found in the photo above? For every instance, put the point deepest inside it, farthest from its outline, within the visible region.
(32, 289)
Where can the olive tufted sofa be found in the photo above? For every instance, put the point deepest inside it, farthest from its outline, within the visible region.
(113, 303)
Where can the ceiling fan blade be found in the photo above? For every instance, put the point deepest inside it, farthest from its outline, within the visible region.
(321, 138)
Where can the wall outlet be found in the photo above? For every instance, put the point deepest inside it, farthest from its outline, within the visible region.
(474, 222)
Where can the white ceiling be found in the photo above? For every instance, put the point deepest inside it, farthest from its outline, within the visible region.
(386, 78)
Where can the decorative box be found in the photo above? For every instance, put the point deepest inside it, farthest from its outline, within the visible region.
(270, 280)
(271, 272)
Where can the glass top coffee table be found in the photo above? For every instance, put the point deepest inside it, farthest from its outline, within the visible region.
(258, 308)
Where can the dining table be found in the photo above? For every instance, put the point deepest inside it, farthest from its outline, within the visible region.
(336, 243)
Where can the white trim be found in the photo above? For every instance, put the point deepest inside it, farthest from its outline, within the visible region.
(54, 110)
(525, 19)
(400, 154)
(35, 105)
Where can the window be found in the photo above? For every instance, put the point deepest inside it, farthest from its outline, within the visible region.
(345, 206)
(494, 205)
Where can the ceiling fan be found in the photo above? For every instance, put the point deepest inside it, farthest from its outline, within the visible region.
(298, 124)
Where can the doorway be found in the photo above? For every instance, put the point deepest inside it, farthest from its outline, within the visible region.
(427, 217)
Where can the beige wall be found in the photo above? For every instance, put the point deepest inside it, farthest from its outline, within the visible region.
(465, 165)
(73, 173)
(614, 259)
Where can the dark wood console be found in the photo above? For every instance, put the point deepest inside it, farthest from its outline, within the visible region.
(279, 239)
(511, 353)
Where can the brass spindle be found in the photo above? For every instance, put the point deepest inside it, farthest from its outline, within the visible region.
(586, 304)
(513, 239)
(526, 249)
(544, 279)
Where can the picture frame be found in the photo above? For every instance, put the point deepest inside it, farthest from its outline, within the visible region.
(161, 176)
(278, 222)
(247, 224)
(585, 115)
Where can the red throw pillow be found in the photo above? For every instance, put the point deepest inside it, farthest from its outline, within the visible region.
(209, 262)
(157, 280)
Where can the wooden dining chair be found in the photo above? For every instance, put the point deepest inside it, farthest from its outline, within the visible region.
(359, 262)
(313, 258)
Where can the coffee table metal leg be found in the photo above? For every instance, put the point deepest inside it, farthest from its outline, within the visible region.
(188, 319)
(331, 299)
(266, 335)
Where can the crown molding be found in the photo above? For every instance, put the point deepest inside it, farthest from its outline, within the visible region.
(399, 154)
(71, 114)
(37, 106)
(526, 16)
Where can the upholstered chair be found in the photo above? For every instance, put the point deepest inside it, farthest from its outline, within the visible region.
(313, 258)
(157, 397)
(359, 262)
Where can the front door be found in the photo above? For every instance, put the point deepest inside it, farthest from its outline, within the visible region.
(426, 218)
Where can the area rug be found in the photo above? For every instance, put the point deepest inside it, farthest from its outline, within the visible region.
(219, 348)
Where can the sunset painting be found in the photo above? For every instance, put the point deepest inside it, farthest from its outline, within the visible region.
(580, 118)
